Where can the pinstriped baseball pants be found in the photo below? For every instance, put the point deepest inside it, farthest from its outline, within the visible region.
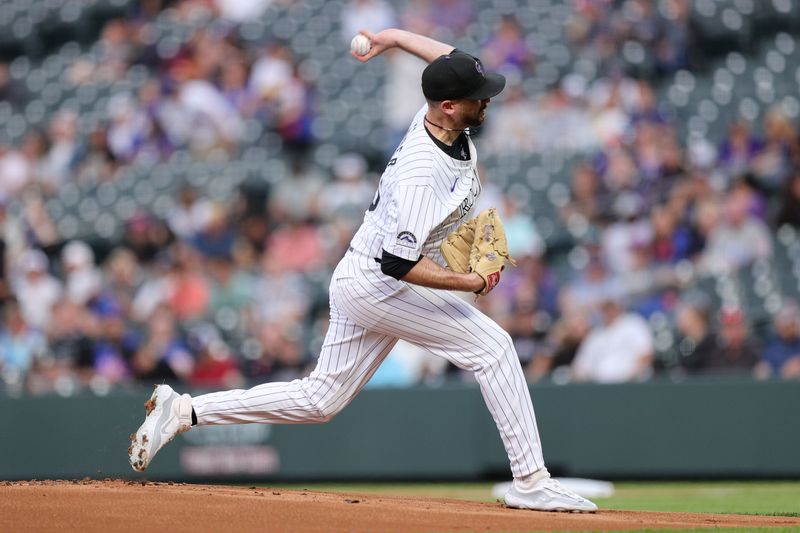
(369, 313)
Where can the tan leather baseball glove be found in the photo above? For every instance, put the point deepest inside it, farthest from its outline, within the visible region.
(489, 251)
(456, 249)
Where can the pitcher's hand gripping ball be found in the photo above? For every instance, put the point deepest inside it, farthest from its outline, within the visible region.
(360, 45)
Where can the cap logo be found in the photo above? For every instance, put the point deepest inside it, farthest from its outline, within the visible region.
(479, 67)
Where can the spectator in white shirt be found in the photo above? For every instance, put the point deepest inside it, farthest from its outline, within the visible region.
(271, 72)
(738, 239)
(191, 214)
(82, 277)
(36, 290)
(15, 171)
(620, 350)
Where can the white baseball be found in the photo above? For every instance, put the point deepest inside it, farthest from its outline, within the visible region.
(360, 45)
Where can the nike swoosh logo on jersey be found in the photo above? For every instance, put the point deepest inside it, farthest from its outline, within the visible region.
(454, 185)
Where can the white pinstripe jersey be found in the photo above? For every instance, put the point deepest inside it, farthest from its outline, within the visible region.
(423, 195)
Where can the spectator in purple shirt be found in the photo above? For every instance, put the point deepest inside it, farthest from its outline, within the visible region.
(507, 49)
(739, 150)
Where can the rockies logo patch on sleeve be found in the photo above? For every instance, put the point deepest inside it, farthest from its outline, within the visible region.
(407, 239)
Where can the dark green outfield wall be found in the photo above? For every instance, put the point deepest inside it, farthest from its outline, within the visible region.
(703, 429)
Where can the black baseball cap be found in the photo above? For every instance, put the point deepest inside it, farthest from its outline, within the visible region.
(458, 75)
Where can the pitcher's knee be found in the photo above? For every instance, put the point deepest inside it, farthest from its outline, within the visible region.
(504, 350)
(506, 342)
(326, 406)
(328, 411)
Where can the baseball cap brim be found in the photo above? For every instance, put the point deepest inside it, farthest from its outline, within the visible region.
(492, 86)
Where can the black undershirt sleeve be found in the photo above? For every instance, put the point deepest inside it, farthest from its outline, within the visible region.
(396, 267)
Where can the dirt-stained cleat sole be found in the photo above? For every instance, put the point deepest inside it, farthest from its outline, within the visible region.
(167, 414)
(149, 405)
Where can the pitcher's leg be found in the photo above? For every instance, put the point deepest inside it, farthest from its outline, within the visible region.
(477, 343)
(451, 328)
(349, 357)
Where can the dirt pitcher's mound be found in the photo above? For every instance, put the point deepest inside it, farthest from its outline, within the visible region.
(102, 506)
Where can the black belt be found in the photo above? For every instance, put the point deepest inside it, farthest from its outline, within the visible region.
(377, 259)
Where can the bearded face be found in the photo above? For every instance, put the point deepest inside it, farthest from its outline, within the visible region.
(471, 113)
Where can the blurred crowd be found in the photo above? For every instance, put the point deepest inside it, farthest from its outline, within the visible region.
(654, 219)
(221, 293)
(654, 36)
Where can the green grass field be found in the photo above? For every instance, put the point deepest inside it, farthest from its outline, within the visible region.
(768, 498)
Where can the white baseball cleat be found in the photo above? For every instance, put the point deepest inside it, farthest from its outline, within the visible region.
(548, 495)
(168, 413)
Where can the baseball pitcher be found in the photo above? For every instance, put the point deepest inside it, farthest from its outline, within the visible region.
(419, 242)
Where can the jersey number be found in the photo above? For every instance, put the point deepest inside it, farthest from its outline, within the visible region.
(374, 203)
